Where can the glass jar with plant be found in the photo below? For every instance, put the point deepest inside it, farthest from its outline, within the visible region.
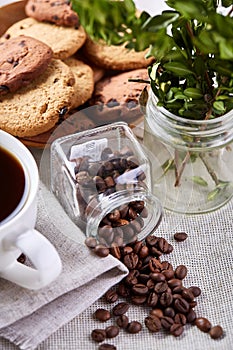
(189, 116)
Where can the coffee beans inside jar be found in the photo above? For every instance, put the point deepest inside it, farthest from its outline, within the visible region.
(155, 284)
(116, 175)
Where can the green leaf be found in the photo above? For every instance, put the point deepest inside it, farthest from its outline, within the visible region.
(199, 181)
(178, 68)
(194, 93)
(226, 49)
(143, 98)
(211, 195)
(153, 24)
(168, 165)
(219, 105)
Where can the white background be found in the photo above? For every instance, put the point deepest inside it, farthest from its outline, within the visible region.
(153, 7)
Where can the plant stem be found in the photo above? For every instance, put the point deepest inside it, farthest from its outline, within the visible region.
(209, 169)
(181, 169)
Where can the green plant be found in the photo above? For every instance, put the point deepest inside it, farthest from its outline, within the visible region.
(193, 76)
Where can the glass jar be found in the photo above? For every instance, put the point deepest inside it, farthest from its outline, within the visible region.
(192, 169)
(102, 179)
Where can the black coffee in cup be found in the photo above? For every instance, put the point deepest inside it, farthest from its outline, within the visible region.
(12, 183)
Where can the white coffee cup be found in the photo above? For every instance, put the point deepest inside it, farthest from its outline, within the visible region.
(17, 233)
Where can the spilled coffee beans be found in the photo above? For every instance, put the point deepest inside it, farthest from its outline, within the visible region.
(155, 284)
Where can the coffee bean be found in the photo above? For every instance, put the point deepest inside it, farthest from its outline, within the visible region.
(157, 276)
(123, 291)
(120, 309)
(153, 323)
(151, 240)
(160, 287)
(168, 274)
(138, 299)
(157, 312)
(122, 321)
(216, 332)
(191, 316)
(109, 181)
(131, 260)
(181, 272)
(111, 296)
(195, 290)
(131, 278)
(140, 289)
(180, 236)
(106, 232)
(115, 250)
(115, 215)
(181, 305)
(167, 322)
(166, 266)
(187, 294)
(134, 327)
(126, 250)
(22, 258)
(203, 324)
(176, 329)
(112, 331)
(174, 282)
(180, 318)
(144, 252)
(91, 242)
(166, 299)
(169, 311)
(98, 335)
(150, 284)
(101, 251)
(178, 289)
(107, 347)
(163, 245)
(102, 314)
(154, 265)
(152, 299)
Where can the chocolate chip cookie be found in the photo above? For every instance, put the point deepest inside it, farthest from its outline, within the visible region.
(115, 57)
(22, 59)
(64, 41)
(54, 11)
(117, 99)
(36, 108)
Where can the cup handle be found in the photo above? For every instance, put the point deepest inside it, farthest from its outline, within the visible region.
(42, 254)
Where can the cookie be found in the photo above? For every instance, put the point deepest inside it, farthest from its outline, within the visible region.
(74, 121)
(36, 108)
(58, 12)
(84, 81)
(64, 41)
(115, 57)
(118, 99)
(21, 60)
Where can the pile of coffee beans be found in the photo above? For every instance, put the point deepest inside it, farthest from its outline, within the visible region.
(115, 171)
(155, 284)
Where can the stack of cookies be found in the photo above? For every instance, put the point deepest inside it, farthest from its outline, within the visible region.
(50, 68)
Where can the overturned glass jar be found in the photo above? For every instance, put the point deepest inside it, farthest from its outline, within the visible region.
(102, 178)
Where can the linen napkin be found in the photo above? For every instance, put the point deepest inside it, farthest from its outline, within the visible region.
(29, 317)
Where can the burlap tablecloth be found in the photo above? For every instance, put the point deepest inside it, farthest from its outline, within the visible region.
(208, 255)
